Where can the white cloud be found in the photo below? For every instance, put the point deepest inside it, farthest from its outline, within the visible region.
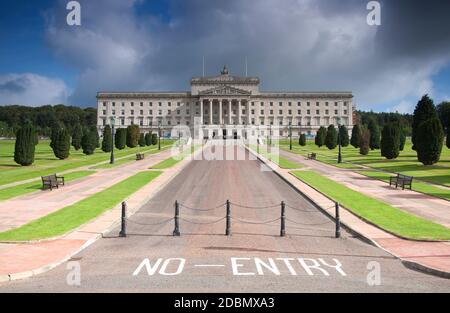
(31, 89)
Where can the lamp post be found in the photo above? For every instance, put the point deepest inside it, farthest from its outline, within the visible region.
(113, 122)
(339, 140)
(159, 135)
(290, 135)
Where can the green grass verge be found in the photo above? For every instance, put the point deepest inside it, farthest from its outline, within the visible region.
(46, 163)
(277, 159)
(377, 212)
(416, 186)
(71, 217)
(169, 162)
(19, 190)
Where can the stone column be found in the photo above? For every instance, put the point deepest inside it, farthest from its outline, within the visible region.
(211, 112)
(201, 111)
(239, 112)
(220, 111)
(229, 112)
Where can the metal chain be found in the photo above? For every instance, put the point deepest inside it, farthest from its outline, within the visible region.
(255, 207)
(202, 210)
(150, 224)
(313, 224)
(302, 210)
(201, 223)
(255, 223)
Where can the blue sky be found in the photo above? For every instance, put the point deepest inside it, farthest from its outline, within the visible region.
(156, 45)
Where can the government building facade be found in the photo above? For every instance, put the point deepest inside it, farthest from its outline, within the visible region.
(226, 106)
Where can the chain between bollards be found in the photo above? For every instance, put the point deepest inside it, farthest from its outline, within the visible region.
(283, 219)
(228, 227)
(338, 221)
(176, 231)
(123, 227)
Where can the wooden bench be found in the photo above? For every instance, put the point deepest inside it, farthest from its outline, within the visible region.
(312, 156)
(52, 181)
(140, 156)
(402, 181)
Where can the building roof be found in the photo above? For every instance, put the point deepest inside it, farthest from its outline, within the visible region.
(225, 78)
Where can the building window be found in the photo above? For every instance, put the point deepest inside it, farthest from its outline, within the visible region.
(336, 112)
(326, 103)
(308, 112)
(169, 104)
(151, 104)
(104, 122)
(132, 112)
(169, 112)
(308, 104)
(104, 112)
(271, 104)
(345, 112)
(142, 104)
(317, 104)
(132, 104)
(169, 122)
(159, 103)
(122, 112)
(122, 121)
(253, 111)
(290, 112)
(113, 104)
(141, 122)
(262, 112)
(290, 104)
(141, 112)
(105, 103)
(123, 104)
(178, 104)
(150, 112)
(262, 103)
(113, 112)
(280, 112)
(178, 112)
(280, 103)
(299, 112)
(187, 112)
(299, 104)
(271, 112)
(326, 112)
(159, 112)
(317, 112)
(335, 104)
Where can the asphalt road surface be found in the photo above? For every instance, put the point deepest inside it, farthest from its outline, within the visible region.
(254, 259)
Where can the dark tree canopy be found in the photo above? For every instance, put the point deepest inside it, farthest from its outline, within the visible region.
(343, 136)
(331, 137)
(302, 140)
(154, 139)
(319, 140)
(429, 141)
(148, 139)
(425, 110)
(25, 145)
(142, 142)
(390, 141)
(77, 134)
(132, 136)
(89, 142)
(364, 141)
(356, 136)
(107, 139)
(61, 143)
(120, 138)
(374, 135)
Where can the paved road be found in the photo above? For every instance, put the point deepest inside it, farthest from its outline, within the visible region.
(254, 259)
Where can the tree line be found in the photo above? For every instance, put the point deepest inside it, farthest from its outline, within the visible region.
(87, 139)
(429, 127)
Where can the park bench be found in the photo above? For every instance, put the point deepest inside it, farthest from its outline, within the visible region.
(52, 181)
(140, 156)
(312, 156)
(402, 181)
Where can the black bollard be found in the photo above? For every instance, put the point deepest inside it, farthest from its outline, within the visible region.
(283, 219)
(228, 227)
(176, 231)
(123, 228)
(338, 221)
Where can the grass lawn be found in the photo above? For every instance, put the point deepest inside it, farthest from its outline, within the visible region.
(46, 163)
(418, 186)
(406, 163)
(77, 214)
(377, 212)
(169, 162)
(23, 189)
(279, 160)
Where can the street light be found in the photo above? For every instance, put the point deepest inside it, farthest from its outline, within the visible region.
(113, 122)
(339, 140)
(159, 135)
(290, 135)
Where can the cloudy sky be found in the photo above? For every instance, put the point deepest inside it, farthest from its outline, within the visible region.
(158, 45)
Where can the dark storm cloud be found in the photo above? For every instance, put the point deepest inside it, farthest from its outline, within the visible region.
(290, 45)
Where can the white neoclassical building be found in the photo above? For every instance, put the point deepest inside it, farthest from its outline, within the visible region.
(226, 105)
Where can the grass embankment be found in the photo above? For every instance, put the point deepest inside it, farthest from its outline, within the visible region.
(377, 212)
(276, 158)
(77, 214)
(23, 189)
(46, 163)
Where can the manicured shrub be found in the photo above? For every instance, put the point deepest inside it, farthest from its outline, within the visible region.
(320, 136)
(107, 139)
(390, 141)
(89, 142)
(142, 140)
(429, 141)
(77, 134)
(364, 140)
(120, 138)
(154, 139)
(331, 137)
(374, 134)
(302, 140)
(402, 139)
(61, 143)
(447, 142)
(132, 136)
(356, 136)
(25, 146)
(424, 111)
(148, 139)
(343, 136)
